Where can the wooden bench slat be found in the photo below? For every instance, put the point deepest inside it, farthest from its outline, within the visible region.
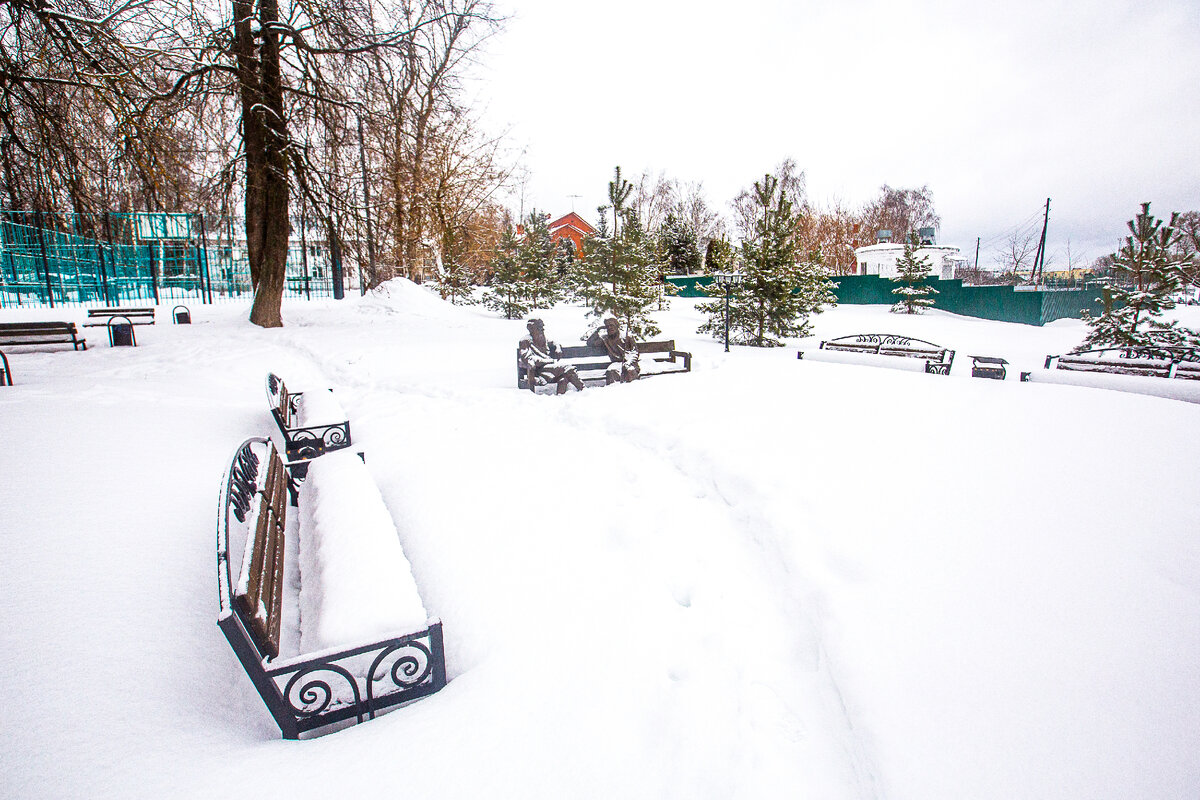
(137, 316)
(263, 601)
(33, 333)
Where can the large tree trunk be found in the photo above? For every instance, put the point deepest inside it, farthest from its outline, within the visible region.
(265, 135)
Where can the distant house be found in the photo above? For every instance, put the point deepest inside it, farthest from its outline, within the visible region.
(880, 258)
(573, 227)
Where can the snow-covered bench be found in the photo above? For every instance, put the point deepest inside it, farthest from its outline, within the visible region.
(39, 333)
(136, 316)
(312, 423)
(340, 635)
(1157, 362)
(592, 362)
(938, 359)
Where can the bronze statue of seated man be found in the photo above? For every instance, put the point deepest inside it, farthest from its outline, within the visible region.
(541, 359)
(621, 349)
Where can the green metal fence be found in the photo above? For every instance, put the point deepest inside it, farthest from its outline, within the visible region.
(115, 258)
(1003, 303)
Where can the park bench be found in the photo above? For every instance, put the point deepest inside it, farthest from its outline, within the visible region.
(5, 371)
(136, 316)
(311, 677)
(938, 359)
(39, 333)
(311, 423)
(592, 362)
(1157, 362)
(988, 367)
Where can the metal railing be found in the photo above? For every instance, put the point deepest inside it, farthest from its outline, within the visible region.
(111, 258)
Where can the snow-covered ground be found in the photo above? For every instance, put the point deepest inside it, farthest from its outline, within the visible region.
(766, 579)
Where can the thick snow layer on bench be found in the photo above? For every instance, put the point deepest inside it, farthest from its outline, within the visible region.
(868, 359)
(356, 586)
(319, 407)
(1173, 388)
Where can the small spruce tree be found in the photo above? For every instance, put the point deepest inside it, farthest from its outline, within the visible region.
(620, 276)
(718, 256)
(679, 246)
(538, 259)
(914, 294)
(506, 294)
(770, 303)
(814, 287)
(1147, 270)
(455, 281)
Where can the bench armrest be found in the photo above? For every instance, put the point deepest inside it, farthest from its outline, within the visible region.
(687, 359)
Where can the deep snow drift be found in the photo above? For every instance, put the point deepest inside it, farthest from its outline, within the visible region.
(766, 579)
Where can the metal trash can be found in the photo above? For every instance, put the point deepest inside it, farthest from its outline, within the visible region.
(182, 315)
(120, 334)
(988, 367)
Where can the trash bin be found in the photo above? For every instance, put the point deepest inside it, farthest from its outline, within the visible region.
(988, 367)
(182, 315)
(120, 334)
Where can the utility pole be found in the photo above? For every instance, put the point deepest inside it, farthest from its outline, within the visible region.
(976, 258)
(1039, 260)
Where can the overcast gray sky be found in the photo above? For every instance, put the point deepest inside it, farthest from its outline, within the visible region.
(996, 106)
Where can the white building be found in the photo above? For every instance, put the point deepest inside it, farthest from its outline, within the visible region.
(880, 259)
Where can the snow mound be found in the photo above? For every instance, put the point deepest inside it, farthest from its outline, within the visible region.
(319, 407)
(1171, 388)
(402, 295)
(355, 583)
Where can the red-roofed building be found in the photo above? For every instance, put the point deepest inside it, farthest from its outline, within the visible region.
(573, 227)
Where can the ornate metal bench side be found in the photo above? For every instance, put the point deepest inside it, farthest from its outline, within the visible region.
(939, 360)
(315, 691)
(5, 370)
(302, 443)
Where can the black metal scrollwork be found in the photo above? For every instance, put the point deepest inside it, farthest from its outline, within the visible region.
(412, 666)
(315, 695)
(883, 339)
(243, 481)
(314, 441)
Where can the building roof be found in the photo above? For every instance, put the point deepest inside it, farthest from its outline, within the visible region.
(889, 246)
(572, 220)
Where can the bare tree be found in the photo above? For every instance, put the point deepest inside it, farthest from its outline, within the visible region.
(901, 211)
(653, 198)
(690, 205)
(1018, 252)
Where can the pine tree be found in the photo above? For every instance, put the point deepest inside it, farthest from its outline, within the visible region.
(619, 190)
(914, 294)
(1148, 270)
(507, 292)
(718, 256)
(815, 288)
(679, 246)
(538, 259)
(620, 276)
(455, 280)
(777, 293)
